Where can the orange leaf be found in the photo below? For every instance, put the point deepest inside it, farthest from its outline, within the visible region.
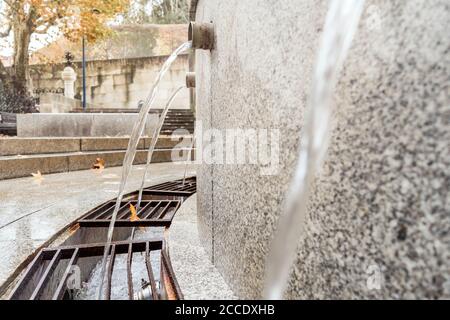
(99, 164)
(134, 216)
(37, 175)
(38, 178)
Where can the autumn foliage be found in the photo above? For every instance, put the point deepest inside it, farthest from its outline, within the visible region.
(73, 18)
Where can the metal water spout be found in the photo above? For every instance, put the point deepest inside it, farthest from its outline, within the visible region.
(201, 35)
(190, 80)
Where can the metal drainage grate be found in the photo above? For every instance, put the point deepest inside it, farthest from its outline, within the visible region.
(36, 277)
(175, 188)
(155, 213)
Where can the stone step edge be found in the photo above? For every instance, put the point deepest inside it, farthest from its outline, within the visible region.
(27, 146)
(22, 166)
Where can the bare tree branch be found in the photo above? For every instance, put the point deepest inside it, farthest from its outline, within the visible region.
(9, 3)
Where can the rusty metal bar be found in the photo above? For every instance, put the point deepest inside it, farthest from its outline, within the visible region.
(59, 293)
(165, 184)
(153, 213)
(174, 185)
(126, 223)
(129, 275)
(124, 210)
(164, 210)
(151, 277)
(47, 273)
(105, 212)
(112, 258)
(20, 286)
(171, 215)
(96, 210)
(150, 213)
(168, 276)
(167, 193)
(144, 208)
(96, 249)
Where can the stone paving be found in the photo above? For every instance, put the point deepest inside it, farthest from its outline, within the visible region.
(33, 210)
(197, 276)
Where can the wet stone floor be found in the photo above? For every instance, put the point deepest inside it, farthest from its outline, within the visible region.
(33, 209)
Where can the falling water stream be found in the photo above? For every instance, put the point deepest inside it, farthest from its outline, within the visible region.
(131, 152)
(155, 140)
(188, 158)
(340, 26)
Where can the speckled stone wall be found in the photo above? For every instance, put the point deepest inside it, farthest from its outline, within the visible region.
(380, 208)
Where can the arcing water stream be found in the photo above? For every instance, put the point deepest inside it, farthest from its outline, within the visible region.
(154, 140)
(340, 26)
(189, 157)
(131, 152)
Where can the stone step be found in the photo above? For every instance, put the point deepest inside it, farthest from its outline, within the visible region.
(23, 166)
(121, 110)
(175, 126)
(178, 116)
(8, 128)
(178, 119)
(178, 125)
(177, 122)
(170, 132)
(28, 146)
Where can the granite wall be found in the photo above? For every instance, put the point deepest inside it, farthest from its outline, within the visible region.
(379, 214)
(117, 83)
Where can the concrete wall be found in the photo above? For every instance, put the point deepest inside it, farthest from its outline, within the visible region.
(118, 83)
(381, 198)
(57, 103)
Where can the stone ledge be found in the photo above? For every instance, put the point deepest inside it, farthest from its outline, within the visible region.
(80, 124)
(28, 146)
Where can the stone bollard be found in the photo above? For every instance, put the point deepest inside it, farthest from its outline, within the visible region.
(69, 76)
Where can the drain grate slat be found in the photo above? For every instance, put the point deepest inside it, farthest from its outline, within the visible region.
(163, 211)
(112, 258)
(151, 277)
(129, 275)
(98, 209)
(47, 273)
(150, 213)
(153, 213)
(32, 268)
(50, 259)
(173, 188)
(123, 212)
(59, 293)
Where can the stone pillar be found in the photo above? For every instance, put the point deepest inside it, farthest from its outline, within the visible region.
(69, 76)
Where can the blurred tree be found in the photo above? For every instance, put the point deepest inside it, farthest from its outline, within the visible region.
(158, 11)
(5, 78)
(73, 18)
(171, 11)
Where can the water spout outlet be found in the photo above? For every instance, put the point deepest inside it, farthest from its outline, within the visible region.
(201, 35)
(190, 79)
